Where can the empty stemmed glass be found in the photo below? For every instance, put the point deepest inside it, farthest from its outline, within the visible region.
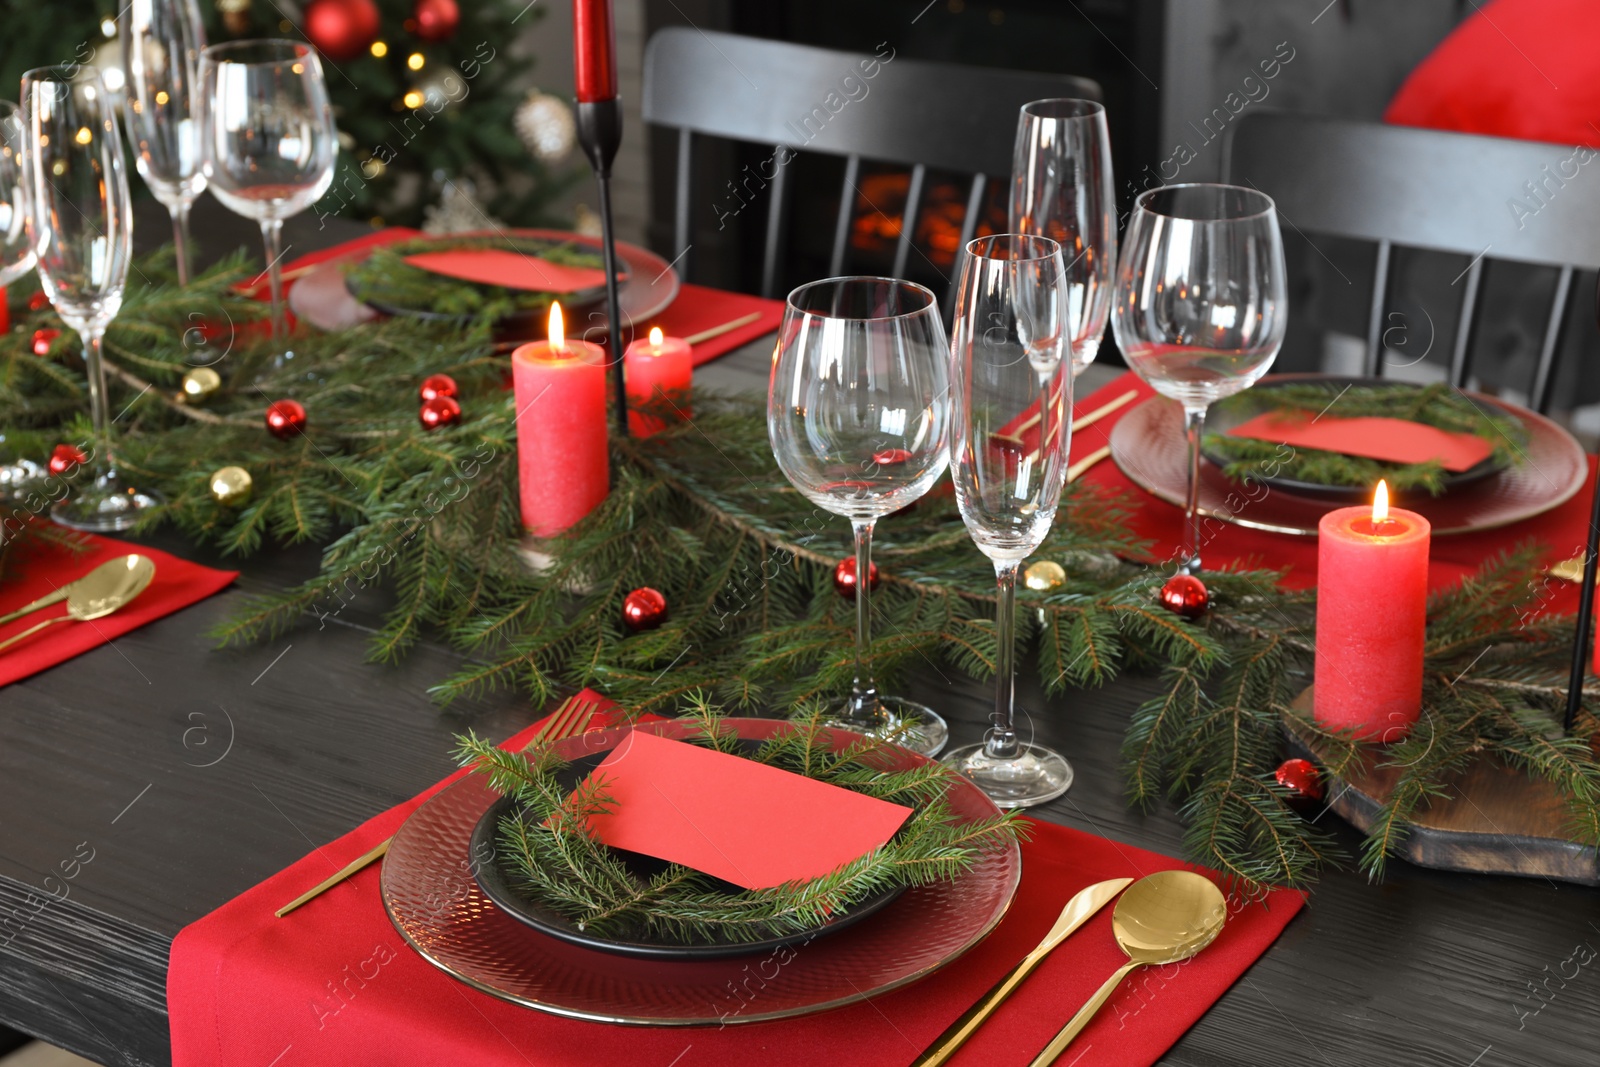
(857, 413)
(80, 224)
(1201, 305)
(161, 42)
(16, 259)
(1009, 367)
(1061, 188)
(267, 140)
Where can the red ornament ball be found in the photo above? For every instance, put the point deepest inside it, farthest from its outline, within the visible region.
(1185, 595)
(341, 29)
(644, 609)
(844, 577)
(890, 457)
(43, 338)
(285, 418)
(1302, 779)
(436, 385)
(439, 412)
(435, 20)
(38, 301)
(64, 458)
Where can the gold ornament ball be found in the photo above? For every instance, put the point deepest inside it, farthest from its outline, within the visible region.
(1044, 575)
(231, 486)
(200, 383)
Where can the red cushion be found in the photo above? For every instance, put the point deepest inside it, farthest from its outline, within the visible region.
(1514, 68)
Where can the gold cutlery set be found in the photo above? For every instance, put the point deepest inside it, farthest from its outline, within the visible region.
(1162, 918)
(107, 588)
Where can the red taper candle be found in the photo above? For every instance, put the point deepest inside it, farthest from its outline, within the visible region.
(1372, 601)
(562, 446)
(594, 50)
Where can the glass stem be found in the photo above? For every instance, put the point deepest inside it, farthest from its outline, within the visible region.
(101, 462)
(864, 692)
(1001, 742)
(272, 238)
(180, 239)
(1194, 420)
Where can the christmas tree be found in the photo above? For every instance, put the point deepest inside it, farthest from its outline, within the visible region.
(432, 109)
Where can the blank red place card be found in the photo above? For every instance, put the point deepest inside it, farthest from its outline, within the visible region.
(514, 270)
(744, 822)
(1371, 437)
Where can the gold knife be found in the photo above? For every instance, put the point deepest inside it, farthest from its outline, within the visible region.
(1078, 911)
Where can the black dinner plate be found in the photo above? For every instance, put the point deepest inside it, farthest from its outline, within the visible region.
(496, 879)
(1242, 407)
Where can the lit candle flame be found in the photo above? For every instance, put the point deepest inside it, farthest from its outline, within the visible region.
(557, 329)
(1380, 502)
(655, 337)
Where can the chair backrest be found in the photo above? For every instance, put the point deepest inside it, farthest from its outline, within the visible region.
(1484, 197)
(876, 107)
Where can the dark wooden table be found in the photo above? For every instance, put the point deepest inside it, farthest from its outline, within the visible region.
(193, 774)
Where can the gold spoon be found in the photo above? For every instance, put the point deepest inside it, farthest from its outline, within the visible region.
(100, 573)
(1163, 918)
(103, 590)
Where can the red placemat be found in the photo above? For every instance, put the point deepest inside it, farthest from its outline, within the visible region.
(1561, 530)
(333, 983)
(177, 584)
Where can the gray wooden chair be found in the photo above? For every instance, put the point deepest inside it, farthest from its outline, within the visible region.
(797, 98)
(1484, 197)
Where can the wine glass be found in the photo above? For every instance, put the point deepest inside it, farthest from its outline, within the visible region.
(858, 417)
(1061, 188)
(80, 224)
(1201, 305)
(16, 259)
(267, 141)
(1008, 369)
(161, 42)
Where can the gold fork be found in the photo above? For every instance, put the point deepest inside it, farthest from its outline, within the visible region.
(569, 720)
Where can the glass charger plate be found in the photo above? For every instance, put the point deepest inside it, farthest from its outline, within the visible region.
(320, 296)
(1148, 446)
(436, 904)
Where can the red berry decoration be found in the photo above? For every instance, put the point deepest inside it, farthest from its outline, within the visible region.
(38, 301)
(643, 609)
(439, 412)
(1185, 595)
(43, 338)
(341, 29)
(437, 385)
(64, 458)
(435, 20)
(844, 577)
(285, 418)
(1303, 781)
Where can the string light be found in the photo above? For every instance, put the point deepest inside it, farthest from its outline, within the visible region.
(415, 61)
(379, 49)
(412, 99)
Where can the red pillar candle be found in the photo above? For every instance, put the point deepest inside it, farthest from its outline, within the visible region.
(561, 429)
(594, 50)
(661, 363)
(1372, 595)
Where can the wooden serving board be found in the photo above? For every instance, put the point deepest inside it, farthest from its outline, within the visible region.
(1500, 821)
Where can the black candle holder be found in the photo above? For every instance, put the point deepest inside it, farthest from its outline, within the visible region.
(600, 133)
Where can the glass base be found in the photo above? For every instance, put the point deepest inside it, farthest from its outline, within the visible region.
(1033, 777)
(105, 506)
(18, 476)
(926, 735)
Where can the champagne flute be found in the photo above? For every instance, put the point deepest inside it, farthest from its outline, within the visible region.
(161, 42)
(1061, 188)
(1009, 367)
(1201, 305)
(80, 224)
(16, 259)
(858, 417)
(267, 141)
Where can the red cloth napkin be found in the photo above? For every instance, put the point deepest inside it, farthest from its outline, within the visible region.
(177, 584)
(333, 983)
(1562, 530)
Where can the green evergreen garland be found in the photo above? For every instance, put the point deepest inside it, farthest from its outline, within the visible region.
(702, 514)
